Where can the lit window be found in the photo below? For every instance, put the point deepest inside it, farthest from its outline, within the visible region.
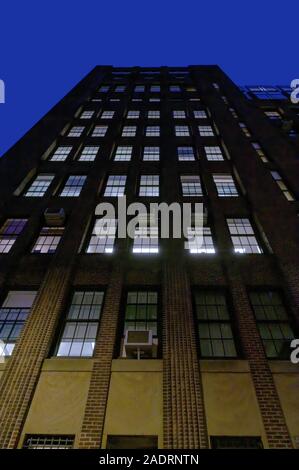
(199, 114)
(81, 325)
(9, 233)
(154, 100)
(267, 93)
(185, 154)
(225, 186)
(139, 89)
(55, 441)
(48, 240)
(13, 314)
(107, 114)
(155, 88)
(152, 131)
(200, 240)
(234, 113)
(205, 131)
(39, 186)
(103, 236)
(179, 114)
(89, 154)
(273, 115)
(191, 186)
(61, 154)
(273, 323)
(123, 154)
(149, 186)
(87, 115)
(174, 88)
(104, 89)
(260, 151)
(214, 153)
(73, 186)
(120, 89)
(146, 237)
(242, 236)
(151, 154)
(277, 177)
(133, 114)
(215, 332)
(181, 131)
(129, 131)
(115, 186)
(99, 131)
(153, 114)
(76, 131)
(244, 129)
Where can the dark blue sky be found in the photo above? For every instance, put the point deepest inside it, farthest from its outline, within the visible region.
(46, 47)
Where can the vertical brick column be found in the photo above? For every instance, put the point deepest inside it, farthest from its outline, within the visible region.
(183, 416)
(23, 368)
(269, 403)
(94, 416)
(290, 272)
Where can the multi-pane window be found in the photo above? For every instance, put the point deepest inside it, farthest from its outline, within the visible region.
(81, 324)
(48, 240)
(104, 89)
(206, 131)
(107, 114)
(103, 236)
(76, 131)
(87, 114)
(61, 153)
(214, 153)
(200, 240)
(9, 233)
(55, 441)
(273, 115)
(225, 186)
(200, 114)
(182, 131)
(89, 153)
(153, 114)
(146, 237)
(133, 114)
(273, 323)
(277, 177)
(260, 151)
(13, 314)
(191, 185)
(174, 88)
(123, 153)
(120, 89)
(99, 131)
(244, 129)
(73, 186)
(152, 131)
(151, 154)
(216, 338)
(115, 186)
(242, 236)
(185, 154)
(39, 186)
(267, 93)
(155, 88)
(179, 114)
(129, 131)
(149, 186)
(139, 88)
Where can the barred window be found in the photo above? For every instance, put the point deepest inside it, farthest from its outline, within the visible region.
(89, 153)
(55, 441)
(39, 186)
(216, 338)
(182, 131)
(87, 114)
(225, 186)
(9, 233)
(200, 240)
(103, 236)
(244, 129)
(81, 324)
(214, 153)
(73, 186)
(273, 323)
(61, 153)
(123, 153)
(200, 114)
(99, 131)
(129, 131)
(149, 186)
(48, 240)
(152, 131)
(107, 114)
(115, 186)
(259, 151)
(133, 114)
(76, 131)
(242, 236)
(206, 131)
(191, 185)
(179, 114)
(185, 154)
(283, 187)
(153, 114)
(151, 154)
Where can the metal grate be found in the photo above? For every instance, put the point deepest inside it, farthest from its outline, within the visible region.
(41, 441)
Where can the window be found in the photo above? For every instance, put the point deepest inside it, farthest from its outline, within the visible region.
(9, 233)
(13, 314)
(87, 114)
(153, 114)
(89, 154)
(236, 442)
(267, 93)
(259, 151)
(139, 88)
(132, 442)
(200, 240)
(120, 89)
(234, 113)
(185, 154)
(146, 237)
(55, 441)
(191, 186)
(107, 114)
(73, 186)
(277, 177)
(104, 89)
(225, 186)
(182, 131)
(214, 153)
(61, 153)
(242, 236)
(39, 186)
(244, 129)
(205, 131)
(151, 154)
(115, 186)
(81, 324)
(152, 131)
(76, 131)
(103, 236)
(123, 154)
(129, 131)
(273, 115)
(174, 89)
(215, 333)
(179, 114)
(99, 131)
(48, 240)
(200, 114)
(273, 323)
(155, 88)
(154, 100)
(141, 314)
(149, 186)
(133, 114)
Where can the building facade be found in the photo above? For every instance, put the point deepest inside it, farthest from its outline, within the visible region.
(217, 316)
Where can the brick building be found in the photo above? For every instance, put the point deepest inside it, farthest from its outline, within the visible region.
(216, 369)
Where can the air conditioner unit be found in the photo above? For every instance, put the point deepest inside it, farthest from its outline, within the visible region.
(138, 343)
(54, 217)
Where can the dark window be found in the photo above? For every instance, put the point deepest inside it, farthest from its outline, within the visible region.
(41, 441)
(236, 442)
(132, 442)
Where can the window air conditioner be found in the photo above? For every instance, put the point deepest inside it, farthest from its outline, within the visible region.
(138, 344)
(54, 217)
